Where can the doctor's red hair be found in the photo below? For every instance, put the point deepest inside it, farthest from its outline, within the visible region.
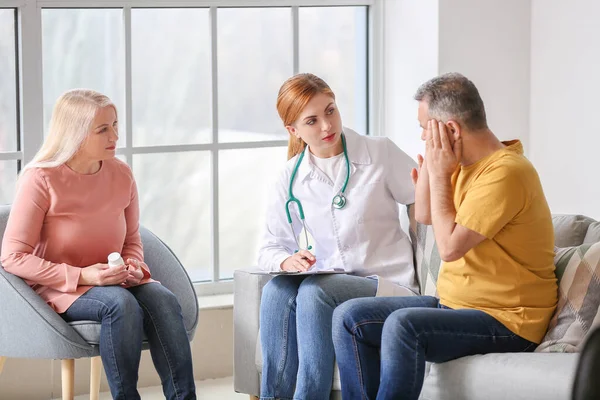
(294, 95)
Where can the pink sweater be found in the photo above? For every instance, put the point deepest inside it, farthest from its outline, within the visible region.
(62, 221)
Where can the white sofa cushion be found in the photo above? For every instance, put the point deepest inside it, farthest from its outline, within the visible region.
(507, 376)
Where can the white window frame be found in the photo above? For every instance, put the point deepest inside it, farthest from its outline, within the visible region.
(14, 155)
(30, 89)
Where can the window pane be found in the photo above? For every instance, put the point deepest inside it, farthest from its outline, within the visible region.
(245, 178)
(174, 193)
(333, 46)
(83, 48)
(8, 97)
(8, 181)
(171, 72)
(255, 58)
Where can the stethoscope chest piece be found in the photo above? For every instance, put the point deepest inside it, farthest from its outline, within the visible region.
(339, 201)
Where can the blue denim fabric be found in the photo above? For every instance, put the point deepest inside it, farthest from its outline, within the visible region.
(382, 344)
(125, 314)
(295, 323)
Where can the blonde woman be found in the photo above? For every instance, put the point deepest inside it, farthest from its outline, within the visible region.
(75, 204)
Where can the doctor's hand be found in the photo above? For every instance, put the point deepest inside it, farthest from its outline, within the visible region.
(300, 261)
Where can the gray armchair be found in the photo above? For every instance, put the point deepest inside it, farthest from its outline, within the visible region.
(29, 328)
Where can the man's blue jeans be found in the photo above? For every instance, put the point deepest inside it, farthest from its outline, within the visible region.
(125, 314)
(382, 344)
(295, 332)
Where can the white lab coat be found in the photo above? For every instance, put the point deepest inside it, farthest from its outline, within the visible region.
(365, 236)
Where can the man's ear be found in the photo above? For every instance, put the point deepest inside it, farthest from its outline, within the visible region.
(292, 131)
(454, 129)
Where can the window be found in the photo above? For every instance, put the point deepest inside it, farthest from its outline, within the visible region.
(171, 76)
(82, 48)
(333, 45)
(195, 87)
(9, 138)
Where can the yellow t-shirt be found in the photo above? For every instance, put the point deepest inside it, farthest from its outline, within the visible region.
(510, 275)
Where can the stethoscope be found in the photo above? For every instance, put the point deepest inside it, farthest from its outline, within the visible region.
(339, 200)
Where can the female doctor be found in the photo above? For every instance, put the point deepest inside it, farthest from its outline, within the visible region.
(344, 190)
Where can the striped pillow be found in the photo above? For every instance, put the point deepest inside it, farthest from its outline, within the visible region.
(427, 259)
(578, 274)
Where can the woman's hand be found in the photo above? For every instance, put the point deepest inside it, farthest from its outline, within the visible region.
(300, 261)
(136, 274)
(103, 275)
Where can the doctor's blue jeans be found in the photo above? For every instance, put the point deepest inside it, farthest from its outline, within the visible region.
(126, 314)
(295, 332)
(382, 344)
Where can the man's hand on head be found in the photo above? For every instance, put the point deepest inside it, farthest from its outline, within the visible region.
(443, 153)
(416, 173)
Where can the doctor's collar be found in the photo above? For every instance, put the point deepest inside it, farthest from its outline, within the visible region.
(358, 153)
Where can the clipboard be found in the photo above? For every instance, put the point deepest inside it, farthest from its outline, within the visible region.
(309, 272)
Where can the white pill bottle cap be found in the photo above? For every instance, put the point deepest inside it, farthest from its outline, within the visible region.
(115, 259)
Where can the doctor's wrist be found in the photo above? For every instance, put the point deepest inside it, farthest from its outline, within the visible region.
(286, 265)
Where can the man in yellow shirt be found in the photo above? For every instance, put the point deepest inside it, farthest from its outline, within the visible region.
(494, 232)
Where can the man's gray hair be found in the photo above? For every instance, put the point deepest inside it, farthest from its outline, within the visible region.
(453, 97)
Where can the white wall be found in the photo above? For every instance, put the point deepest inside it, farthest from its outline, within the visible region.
(410, 58)
(565, 87)
(488, 41)
(536, 64)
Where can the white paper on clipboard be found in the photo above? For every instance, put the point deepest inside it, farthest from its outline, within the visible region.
(309, 272)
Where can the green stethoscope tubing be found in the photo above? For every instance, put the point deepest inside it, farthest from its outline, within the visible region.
(339, 200)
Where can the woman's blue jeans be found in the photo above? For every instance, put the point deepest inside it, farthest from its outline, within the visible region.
(295, 332)
(125, 315)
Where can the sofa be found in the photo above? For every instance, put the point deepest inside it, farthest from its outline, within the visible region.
(508, 376)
